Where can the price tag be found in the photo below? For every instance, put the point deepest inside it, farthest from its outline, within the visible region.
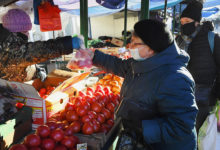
(82, 146)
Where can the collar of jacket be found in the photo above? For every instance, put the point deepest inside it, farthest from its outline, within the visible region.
(170, 56)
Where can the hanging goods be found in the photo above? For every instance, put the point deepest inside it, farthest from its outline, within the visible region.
(49, 17)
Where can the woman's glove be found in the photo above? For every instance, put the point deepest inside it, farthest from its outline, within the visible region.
(78, 42)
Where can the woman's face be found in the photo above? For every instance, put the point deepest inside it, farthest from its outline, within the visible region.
(144, 50)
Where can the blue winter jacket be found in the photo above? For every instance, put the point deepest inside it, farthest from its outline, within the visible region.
(158, 95)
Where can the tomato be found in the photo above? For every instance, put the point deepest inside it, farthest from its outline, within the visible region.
(117, 96)
(112, 116)
(18, 147)
(87, 128)
(98, 95)
(68, 131)
(60, 125)
(88, 98)
(19, 105)
(89, 93)
(44, 96)
(86, 118)
(76, 126)
(101, 118)
(78, 101)
(69, 107)
(106, 113)
(42, 91)
(93, 99)
(107, 90)
(48, 144)
(98, 87)
(81, 94)
(60, 147)
(116, 102)
(81, 111)
(104, 129)
(76, 139)
(65, 122)
(89, 89)
(110, 122)
(86, 105)
(68, 142)
(92, 114)
(104, 99)
(97, 107)
(63, 114)
(96, 125)
(101, 91)
(52, 125)
(32, 140)
(72, 116)
(43, 131)
(57, 135)
(111, 106)
(35, 148)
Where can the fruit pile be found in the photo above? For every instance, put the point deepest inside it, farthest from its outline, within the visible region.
(113, 82)
(44, 92)
(89, 112)
(48, 137)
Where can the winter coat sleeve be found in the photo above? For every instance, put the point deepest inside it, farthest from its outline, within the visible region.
(112, 64)
(15, 50)
(177, 108)
(217, 60)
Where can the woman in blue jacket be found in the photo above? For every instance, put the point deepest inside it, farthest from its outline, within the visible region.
(158, 91)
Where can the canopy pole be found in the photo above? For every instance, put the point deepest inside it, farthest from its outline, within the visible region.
(174, 19)
(125, 22)
(165, 11)
(84, 20)
(145, 13)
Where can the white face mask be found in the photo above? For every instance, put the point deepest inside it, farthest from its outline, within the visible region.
(135, 54)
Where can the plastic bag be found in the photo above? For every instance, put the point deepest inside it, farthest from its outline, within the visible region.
(80, 60)
(208, 133)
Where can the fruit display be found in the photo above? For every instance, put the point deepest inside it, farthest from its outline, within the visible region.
(113, 82)
(48, 137)
(90, 112)
(44, 92)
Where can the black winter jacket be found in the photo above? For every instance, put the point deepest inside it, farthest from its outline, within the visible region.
(204, 65)
(16, 53)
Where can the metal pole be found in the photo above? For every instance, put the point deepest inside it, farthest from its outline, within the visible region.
(174, 18)
(84, 20)
(125, 22)
(165, 11)
(145, 9)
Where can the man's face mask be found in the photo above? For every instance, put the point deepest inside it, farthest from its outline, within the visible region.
(135, 54)
(188, 28)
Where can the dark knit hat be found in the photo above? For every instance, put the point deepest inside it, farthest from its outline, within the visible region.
(193, 11)
(16, 20)
(154, 33)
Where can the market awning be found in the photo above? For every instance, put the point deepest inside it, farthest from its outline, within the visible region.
(95, 9)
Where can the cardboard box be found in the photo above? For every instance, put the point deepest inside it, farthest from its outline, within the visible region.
(44, 108)
(15, 129)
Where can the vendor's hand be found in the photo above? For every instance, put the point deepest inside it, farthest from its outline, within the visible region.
(78, 42)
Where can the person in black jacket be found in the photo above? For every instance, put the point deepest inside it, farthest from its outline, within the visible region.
(16, 53)
(204, 64)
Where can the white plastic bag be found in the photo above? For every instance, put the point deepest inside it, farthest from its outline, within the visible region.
(208, 133)
(80, 60)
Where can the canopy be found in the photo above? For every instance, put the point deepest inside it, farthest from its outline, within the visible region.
(95, 9)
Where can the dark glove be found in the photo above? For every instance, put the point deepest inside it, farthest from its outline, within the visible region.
(41, 73)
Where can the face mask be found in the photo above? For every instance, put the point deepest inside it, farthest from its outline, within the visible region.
(135, 54)
(188, 29)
